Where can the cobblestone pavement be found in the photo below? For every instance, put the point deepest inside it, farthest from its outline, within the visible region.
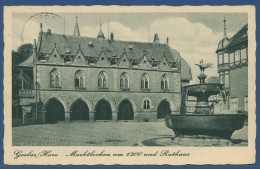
(94, 134)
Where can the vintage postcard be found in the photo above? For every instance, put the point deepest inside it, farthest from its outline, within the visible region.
(129, 85)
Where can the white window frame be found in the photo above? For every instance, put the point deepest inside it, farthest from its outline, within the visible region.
(234, 103)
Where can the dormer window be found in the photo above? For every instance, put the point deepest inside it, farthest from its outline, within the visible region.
(113, 62)
(91, 61)
(134, 63)
(175, 65)
(67, 51)
(154, 64)
(67, 59)
(90, 44)
(130, 47)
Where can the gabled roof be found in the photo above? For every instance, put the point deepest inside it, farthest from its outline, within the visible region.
(185, 68)
(93, 47)
(28, 62)
(239, 37)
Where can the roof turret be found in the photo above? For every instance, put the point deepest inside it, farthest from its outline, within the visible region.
(100, 33)
(76, 28)
(225, 39)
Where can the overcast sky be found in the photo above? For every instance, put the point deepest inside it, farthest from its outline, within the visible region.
(194, 35)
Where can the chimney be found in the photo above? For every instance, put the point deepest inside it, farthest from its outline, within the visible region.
(167, 40)
(34, 47)
(112, 36)
(156, 38)
(49, 31)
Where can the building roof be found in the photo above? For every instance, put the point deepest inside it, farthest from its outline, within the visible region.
(28, 62)
(239, 37)
(223, 43)
(185, 68)
(93, 47)
(213, 80)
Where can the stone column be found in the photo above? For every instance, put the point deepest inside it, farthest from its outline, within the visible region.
(67, 116)
(114, 115)
(91, 116)
(43, 117)
(26, 110)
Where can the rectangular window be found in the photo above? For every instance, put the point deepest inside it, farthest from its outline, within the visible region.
(146, 104)
(221, 79)
(220, 58)
(225, 57)
(231, 58)
(243, 54)
(226, 81)
(246, 103)
(237, 56)
(233, 104)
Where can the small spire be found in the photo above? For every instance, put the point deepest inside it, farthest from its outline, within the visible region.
(167, 40)
(41, 26)
(225, 34)
(100, 33)
(156, 38)
(76, 28)
(34, 46)
(100, 25)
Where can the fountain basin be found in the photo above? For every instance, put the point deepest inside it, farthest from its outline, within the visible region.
(215, 125)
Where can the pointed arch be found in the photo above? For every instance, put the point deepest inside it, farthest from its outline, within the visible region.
(55, 110)
(164, 82)
(125, 110)
(102, 80)
(124, 81)
(79, 110)
(55, 78)
(163, 109)
(144, 81)
(103, 110)
(79, 79)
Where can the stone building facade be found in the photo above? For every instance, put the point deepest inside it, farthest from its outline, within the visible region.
(92, 79)
(232, 59)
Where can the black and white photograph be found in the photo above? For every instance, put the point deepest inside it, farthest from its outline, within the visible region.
(130, 79)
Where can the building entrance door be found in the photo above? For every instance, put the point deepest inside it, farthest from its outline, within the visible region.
(125, 111)
(163, 109)
(79, 111)
(54, 111)
(103, 111)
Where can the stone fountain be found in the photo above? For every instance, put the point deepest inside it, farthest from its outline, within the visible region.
(204, 123)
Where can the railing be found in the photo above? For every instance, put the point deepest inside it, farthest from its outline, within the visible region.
(26, 93)
(223, 66)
